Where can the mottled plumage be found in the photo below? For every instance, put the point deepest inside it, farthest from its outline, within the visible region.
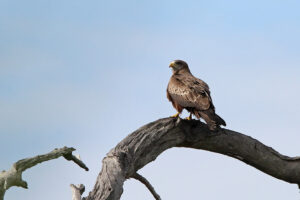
(188, 92)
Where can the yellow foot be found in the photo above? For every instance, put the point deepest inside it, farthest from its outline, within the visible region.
(188, 118)
(176, 115)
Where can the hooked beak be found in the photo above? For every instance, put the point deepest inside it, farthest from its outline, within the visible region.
(172, 64)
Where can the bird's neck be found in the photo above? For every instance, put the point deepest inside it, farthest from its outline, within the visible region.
(183, 71)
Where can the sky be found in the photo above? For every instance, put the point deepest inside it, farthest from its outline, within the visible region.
(85, 74)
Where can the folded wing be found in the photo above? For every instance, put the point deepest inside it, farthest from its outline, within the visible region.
(190, 92)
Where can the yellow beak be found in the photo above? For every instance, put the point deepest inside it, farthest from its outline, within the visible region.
(172, 64)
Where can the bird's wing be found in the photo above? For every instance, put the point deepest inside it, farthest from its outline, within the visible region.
(189, 91)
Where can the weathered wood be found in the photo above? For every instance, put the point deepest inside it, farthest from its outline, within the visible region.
(77, 191)
(13, 177)
(148, 142)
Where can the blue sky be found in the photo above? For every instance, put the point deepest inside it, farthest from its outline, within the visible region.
(88, 73)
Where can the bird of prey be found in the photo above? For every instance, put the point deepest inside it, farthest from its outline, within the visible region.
(188, 92)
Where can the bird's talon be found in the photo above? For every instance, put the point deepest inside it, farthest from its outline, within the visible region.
(176, 115)
(188, 118)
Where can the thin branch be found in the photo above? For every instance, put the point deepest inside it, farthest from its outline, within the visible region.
(13, 177)
(77, 160)
(147, 184)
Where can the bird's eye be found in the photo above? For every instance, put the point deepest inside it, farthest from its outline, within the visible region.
(203, 94)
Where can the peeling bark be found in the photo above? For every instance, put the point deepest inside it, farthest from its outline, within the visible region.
(13, 177)
(148, 142)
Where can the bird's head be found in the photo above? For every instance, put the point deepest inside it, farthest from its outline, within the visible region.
(179, 65)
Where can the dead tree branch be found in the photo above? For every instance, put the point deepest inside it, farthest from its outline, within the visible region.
(13, 177)
(77, 191)
(147, 184)
(148, 142)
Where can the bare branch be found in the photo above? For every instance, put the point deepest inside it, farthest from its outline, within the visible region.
(147, 184)
(77, 191)
(76, 160)
(13, 177)
(148, 142)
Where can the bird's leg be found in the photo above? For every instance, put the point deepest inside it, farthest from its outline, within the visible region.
(189, 117)
(176, 115)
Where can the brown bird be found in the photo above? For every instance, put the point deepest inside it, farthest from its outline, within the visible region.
(188, 92)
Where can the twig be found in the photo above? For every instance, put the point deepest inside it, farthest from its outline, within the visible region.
(76, 160)
(147, 184)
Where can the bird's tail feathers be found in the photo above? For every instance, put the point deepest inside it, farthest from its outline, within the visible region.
(219, 120)
(211, 118)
